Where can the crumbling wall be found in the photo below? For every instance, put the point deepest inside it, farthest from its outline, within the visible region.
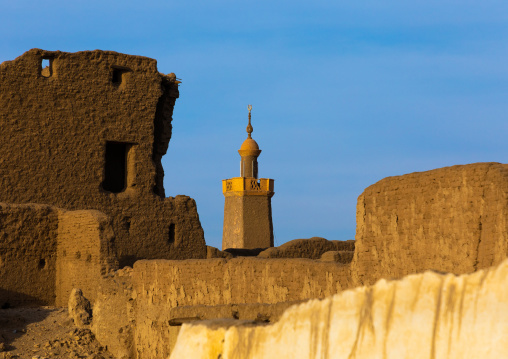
(163, 128)
(160, 285)
(114, 314)
(424, 316)
(28, 240)
(85, 253)
(238, 280)
(89, 132)
(450, 219)
(45, 252)
(166, 294)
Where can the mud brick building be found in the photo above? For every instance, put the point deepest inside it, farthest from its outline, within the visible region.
(87, 130)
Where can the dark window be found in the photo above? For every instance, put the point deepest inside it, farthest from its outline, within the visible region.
(115, 169)
(118, 75)
(42, 264)
(171, 237)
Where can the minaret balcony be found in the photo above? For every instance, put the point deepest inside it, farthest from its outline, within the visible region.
(247, 186)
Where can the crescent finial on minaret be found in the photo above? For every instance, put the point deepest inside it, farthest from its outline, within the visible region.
(249, 126)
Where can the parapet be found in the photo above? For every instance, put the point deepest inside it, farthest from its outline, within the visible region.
(238, 186)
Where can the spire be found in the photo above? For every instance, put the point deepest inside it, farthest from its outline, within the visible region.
(249, 126)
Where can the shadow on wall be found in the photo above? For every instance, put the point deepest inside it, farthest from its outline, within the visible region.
(11, 299)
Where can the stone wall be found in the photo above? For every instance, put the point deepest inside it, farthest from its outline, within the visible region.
(89, 132)
(424, 316)
(28, 240)
(450, 219)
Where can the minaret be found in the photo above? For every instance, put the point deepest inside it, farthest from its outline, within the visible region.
(248, 207)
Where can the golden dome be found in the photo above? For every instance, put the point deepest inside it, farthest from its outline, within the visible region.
(249, 148)
(249, 144)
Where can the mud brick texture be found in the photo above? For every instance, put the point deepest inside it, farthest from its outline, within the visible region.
(451, 219)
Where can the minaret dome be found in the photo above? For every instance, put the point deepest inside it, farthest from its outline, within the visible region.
(249, 151)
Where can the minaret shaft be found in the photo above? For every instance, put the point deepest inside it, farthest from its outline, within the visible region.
(249, 166)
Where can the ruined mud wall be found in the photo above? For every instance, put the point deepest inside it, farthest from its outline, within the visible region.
(89, 132)
(45, 252)
(85, 251)
(114, 314)
(424, 316)
(239, 280)
(28, 239)
(450, 219)
(159, 286)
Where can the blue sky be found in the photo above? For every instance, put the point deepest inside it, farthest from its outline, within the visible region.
(343, 93)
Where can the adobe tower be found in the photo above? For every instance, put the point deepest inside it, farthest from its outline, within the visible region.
(248, 208)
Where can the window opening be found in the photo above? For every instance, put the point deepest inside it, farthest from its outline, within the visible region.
(46, 67)
(115, 167)
(171, 237)
(118, 75)
(42, 264)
